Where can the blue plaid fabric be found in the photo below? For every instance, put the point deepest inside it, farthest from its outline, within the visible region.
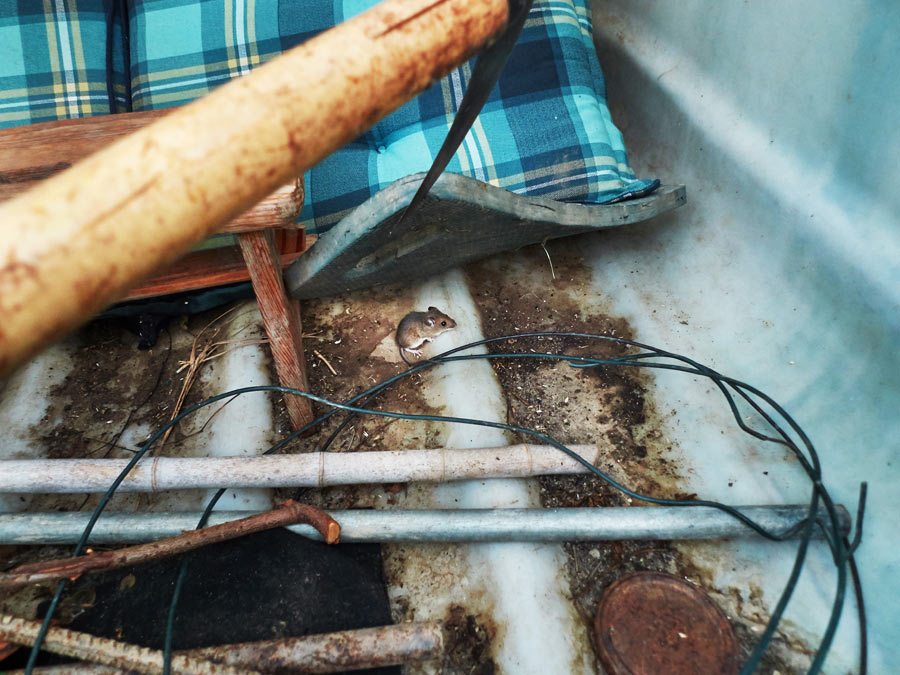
(545, 129)
(53, 60)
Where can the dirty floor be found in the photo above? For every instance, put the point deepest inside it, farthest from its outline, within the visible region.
(507, 607)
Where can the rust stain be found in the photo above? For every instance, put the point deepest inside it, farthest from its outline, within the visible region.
(93, 292)
(469, 638)
(15, 272)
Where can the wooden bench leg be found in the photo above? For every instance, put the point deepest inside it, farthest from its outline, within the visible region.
(281, 317)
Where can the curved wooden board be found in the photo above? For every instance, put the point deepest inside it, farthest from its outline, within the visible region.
(461, 220)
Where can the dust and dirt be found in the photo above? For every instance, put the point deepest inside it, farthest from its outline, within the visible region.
(468, 639)
(117, 396)
(469, 629)
(609, 405)
(112, 400)
(785, 654)
(349, 347)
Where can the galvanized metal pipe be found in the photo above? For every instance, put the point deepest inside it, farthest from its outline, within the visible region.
(316, 469)
(468, 525)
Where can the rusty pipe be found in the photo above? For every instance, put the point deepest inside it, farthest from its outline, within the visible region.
(363, 648)
(79, 240)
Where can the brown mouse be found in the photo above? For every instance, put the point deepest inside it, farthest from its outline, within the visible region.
(417, 328)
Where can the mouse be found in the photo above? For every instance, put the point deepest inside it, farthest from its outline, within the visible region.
(417, 328)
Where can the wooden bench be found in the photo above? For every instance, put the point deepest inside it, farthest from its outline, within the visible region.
(267, 236)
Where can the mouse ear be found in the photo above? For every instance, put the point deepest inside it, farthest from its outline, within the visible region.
(433, 309)
(429, 321)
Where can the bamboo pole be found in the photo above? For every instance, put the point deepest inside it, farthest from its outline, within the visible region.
(315, 469)
(79, 240)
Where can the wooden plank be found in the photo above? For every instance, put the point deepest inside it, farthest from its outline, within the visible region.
(281, 317)
(205, 269)
(201, 269)
(291, 241)
(32, 153)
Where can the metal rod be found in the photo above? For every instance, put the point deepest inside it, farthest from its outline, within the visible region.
(105, 651)
(472, 525)
(316, 469)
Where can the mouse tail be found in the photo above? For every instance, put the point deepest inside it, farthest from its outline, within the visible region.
(403, 356)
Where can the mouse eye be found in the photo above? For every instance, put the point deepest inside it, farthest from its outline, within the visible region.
(443, 323)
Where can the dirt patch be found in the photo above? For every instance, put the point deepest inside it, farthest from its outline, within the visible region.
(608, 405)
(91, 408)
(117, 396)
(107, 405)
(785, 655)
(468, 643)
(349, 347)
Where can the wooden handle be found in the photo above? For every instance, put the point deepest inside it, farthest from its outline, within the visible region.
(78, 240)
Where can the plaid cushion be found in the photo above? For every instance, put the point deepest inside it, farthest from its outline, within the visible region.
(53, 60)
(545, 129)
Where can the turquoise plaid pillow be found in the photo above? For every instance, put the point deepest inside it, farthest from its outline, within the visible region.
(53, 60)
(545, 129)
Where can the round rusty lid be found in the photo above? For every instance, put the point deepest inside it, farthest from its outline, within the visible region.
(649, 623)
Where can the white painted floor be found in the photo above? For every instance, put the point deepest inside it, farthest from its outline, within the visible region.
(784, 267)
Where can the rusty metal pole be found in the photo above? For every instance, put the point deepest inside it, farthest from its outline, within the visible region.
(339, 652)
(105, 651)
(77, 241)
(364, 648)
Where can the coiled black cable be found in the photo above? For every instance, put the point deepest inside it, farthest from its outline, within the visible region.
(841, 548)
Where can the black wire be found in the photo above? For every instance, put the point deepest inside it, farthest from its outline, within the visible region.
(739, 386)
(861, 613)
(840, 551)
(813, 471)
(179, 582)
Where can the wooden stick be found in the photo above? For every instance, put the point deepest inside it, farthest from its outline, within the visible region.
(281, 317)
(103, 650)
(287, 513)
(337, 652)
(80, 239)
(344, 650)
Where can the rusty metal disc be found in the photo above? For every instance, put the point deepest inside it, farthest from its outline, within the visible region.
(649, 623)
